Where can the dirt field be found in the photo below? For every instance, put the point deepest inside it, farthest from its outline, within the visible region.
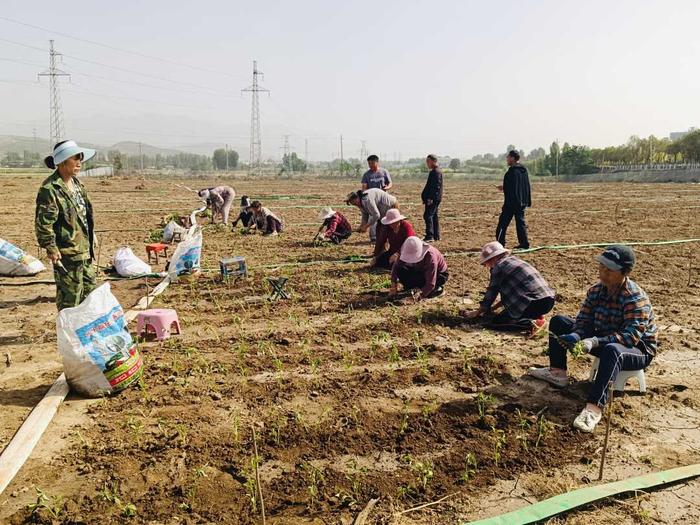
(352, 397)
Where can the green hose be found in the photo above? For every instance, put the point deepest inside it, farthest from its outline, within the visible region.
(571, 500)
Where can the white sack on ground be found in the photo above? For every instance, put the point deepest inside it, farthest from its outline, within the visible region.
(127, 264)
(15, 261)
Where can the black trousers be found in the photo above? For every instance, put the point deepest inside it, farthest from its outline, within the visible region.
(411, 279)
(383, 260)
(504, 321)
(432, 222)
(507, 214)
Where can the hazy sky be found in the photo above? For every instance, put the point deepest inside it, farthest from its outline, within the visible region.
(455, 78)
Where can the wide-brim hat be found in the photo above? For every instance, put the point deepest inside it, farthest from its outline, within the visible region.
(69, 148)
(491, 250)
(392, 216)
(413, 250)
(326, 213)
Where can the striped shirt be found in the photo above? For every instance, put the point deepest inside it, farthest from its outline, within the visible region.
(625, 317)
(519, 284)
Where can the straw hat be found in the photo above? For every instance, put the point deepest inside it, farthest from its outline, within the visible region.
(392, 216)
(491, 250)
(413, 250)
(326, 213)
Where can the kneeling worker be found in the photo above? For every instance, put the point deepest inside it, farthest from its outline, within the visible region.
(421, 266)
(337, 226)
(525, 294)
(395, 230)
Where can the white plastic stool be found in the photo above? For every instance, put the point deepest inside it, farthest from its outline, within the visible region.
(622, 377)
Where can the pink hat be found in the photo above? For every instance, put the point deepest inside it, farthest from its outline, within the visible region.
(413, 250)
(491, 250)
(392, 216)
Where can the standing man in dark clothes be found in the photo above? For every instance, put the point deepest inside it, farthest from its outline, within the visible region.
(516, 193)
(431, 197)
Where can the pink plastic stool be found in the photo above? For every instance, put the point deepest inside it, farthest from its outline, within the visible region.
(161, 320)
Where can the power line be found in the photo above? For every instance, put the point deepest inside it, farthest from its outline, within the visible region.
(117, 68)
(114, 48)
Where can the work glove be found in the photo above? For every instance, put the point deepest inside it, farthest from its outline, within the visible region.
(570, 339)
(590, 343)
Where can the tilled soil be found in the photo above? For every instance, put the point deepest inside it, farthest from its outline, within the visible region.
(351, 397)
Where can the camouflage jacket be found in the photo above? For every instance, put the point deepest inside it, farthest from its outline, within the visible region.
(58, 224)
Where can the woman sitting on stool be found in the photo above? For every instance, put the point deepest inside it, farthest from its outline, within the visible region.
(524, 293)
(420, 266)
(615, 324)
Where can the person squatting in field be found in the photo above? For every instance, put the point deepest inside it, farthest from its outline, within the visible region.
(524, 293)
(615, 324)
(265, 220)
(220, 200)
(65, 226)
(336, 225)
(420, 267)
(394, 230)
(246, 215)
(374, 205)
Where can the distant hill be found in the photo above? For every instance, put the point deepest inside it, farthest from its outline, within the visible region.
(19, 144)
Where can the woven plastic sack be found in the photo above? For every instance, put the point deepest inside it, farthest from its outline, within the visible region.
(15, 261)
(99, 355)
(187, 257)
(127, 264)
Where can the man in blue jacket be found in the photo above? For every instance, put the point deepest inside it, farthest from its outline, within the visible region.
(516, 197)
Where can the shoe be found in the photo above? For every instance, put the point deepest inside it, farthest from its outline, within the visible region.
(274, 234)
(545, 374)
(587, 420)
(428, 240)
(518, 247)
(438, 292)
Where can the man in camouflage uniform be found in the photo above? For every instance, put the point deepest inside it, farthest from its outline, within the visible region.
(65, 229)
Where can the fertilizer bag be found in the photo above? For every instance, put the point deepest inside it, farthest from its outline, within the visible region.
(99, 355)
(128, 265)
(14, 261)
(186, 259)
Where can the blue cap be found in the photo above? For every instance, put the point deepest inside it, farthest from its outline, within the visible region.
(617, 257)
(69, 148)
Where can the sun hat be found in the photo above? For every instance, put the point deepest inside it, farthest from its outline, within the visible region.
(326, 213)
(413, 250)
(69, 148)
(490, 250)
(392, 216)
(617, 257)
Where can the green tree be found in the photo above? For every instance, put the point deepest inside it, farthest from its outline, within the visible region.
(219, 159)
(454, 164)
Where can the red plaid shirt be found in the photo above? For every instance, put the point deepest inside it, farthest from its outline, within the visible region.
(337, 224)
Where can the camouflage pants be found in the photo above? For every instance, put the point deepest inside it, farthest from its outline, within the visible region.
(73, 285)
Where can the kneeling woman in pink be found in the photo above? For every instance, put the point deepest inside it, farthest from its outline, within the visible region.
(420, 266)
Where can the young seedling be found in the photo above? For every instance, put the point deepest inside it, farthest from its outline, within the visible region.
(394, 356)
(524, 425)
(470, 468)
(499, 440)
(466, 360)
(543, 428)
(52, 505)
(482, 403)
(423, 360)
(424, 471)
(314, 479)
(250, 485)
